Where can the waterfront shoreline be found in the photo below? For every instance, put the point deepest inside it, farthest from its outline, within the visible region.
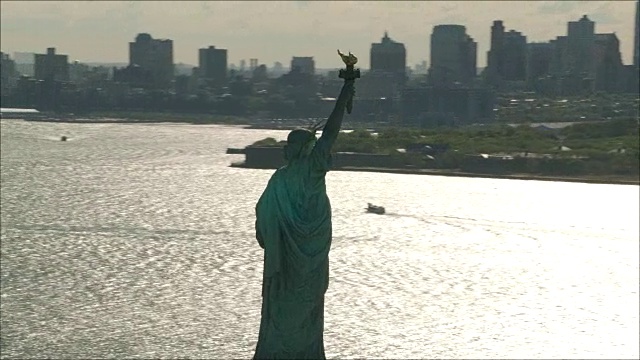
(115, 120)
(248, 124)
(243, 124)
(169, 118)
(604, 179)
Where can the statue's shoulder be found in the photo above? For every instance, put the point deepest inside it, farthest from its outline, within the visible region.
(280, 171)
(278, 174)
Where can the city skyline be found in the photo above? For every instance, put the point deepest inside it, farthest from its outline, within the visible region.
(101, 31)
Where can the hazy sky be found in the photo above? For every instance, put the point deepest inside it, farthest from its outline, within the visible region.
(275, 31)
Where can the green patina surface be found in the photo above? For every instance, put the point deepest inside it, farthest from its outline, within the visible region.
(293, 226)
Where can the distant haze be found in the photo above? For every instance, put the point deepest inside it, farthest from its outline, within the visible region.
(276, 31)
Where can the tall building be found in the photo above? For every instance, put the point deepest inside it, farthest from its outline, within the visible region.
(559, 46)
(51, 66)
(24, 57)
(632, 72)
(583, 61)
(636, 37)
(212, 64)
(538, 62)
(506, 60)
(515, 55)
(389, 56)
(608, 63)
(78, 72)
(580, 41)
(304, 64)
(494, 55)
(388, 70)
(453, 55)
(154, 56)
(253, 64)
(25, 63)
(9, 74)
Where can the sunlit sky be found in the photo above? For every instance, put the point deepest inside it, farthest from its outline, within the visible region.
(277, 30)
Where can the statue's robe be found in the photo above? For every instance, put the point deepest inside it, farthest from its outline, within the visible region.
(293, 226)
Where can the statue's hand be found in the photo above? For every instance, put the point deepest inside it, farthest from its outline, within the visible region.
(349, 87)
(348, 92)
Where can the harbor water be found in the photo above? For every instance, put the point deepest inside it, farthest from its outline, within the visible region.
(137, 241)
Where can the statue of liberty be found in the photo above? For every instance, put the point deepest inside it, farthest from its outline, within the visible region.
(293, 226)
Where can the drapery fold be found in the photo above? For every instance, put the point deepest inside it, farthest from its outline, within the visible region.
(293, 225)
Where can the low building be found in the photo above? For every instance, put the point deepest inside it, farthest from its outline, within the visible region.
(304, 64)
(447, 106)
(51, 66)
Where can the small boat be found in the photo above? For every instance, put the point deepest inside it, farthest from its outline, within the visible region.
(63, 138)
(375, 209)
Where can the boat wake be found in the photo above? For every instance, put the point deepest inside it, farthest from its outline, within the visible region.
(415, 217)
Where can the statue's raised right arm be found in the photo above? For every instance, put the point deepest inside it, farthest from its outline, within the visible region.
(332, 127)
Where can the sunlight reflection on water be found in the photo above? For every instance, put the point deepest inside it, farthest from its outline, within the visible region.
(137, 241)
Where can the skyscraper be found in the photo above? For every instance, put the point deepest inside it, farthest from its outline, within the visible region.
(636, 37)
(453, 55)
(515, 54)
(389, 56)
(494, 55)
(8, 73)
(154, 56)
(607, 62)
(212, 63)
(506, 60)
(538, 63)
(388, 70)
(580, 40)
(584, 61)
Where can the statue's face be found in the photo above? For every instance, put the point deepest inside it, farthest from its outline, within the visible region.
(300, 142)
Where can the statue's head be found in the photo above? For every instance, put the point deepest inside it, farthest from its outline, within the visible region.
(300, 143)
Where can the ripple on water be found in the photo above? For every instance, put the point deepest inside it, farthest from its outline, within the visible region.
(137, 241)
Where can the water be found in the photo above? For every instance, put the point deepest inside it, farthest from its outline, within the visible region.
(137, 241)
